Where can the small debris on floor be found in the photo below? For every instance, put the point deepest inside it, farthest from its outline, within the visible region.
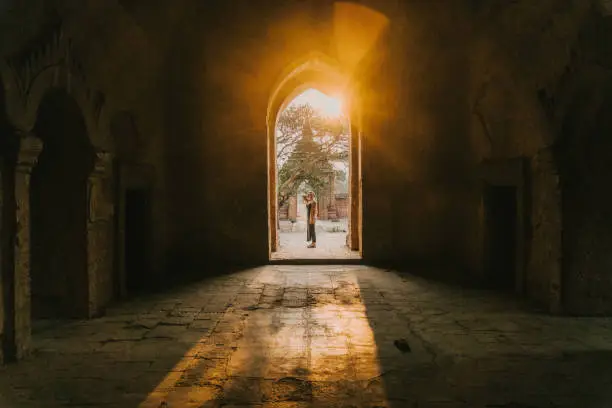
(402, 345)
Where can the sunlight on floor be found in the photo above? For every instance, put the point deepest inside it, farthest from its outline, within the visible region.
(318, 333)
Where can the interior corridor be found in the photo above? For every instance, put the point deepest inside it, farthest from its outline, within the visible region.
(317, 336)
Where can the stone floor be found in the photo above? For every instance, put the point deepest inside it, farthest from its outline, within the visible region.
(330, 245)
(318, 336)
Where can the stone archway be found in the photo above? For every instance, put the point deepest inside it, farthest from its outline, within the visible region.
(59, 215)
(323, 73)
(45, 67)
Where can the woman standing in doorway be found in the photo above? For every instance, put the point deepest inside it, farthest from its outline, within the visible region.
(311, 212)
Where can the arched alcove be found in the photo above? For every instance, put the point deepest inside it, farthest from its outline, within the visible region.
(59, 210)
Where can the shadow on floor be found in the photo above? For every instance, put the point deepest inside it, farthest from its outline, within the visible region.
(433, 352)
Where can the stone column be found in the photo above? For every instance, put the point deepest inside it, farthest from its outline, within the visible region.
(100, 243)
(27, 157)
(293, 208)
(332, 212)
(272, 191)
(354, 208)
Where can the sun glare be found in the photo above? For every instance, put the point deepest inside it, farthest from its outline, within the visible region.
(328, 105)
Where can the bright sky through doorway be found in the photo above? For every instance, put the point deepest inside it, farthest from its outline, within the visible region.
(327, 105)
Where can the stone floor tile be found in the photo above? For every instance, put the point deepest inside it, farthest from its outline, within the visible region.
(243, 390)
(287, 404)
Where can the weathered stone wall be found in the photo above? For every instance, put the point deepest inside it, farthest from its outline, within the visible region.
(546, 97)
(513, 71)
(580, 108)
(5, 243)
(544, 254)
(419, 198)
(220, 81)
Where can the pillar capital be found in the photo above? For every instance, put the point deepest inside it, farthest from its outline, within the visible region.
(102, 163)
(100, 201)
(30, 147)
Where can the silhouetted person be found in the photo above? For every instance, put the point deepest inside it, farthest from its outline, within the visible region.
(311, 212)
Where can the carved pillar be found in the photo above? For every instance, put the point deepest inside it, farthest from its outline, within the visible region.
(100, 235)
(27, 157)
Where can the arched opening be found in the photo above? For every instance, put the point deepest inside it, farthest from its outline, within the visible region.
(312, 147)
(58, 202)
(355, 30)
(313, 140)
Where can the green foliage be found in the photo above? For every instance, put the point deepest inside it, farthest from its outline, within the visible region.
(307, 145)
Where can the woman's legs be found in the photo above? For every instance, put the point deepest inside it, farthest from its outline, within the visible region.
(312, 235)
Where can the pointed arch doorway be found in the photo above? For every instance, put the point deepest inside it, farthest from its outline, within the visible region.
(313, 146)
